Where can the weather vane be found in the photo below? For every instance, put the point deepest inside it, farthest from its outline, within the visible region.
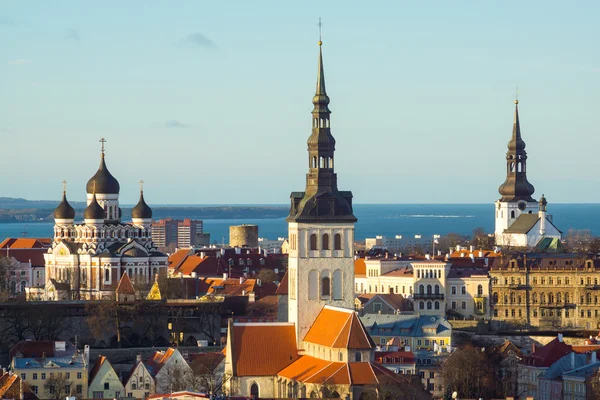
(141, 186)
(102, 141)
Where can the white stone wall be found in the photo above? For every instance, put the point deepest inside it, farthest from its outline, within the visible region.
(305, 264)
(504, 215)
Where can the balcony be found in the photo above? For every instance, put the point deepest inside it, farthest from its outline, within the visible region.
(428, 296)
(518, 286)
(592, 287)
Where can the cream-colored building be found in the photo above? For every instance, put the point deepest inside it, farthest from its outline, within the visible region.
(435, 287)
(70, 371)
(104, 383)
(140, 383)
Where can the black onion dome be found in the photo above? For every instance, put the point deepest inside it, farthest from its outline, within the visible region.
(94, 210)
(64, 209)
(141, 209)
(103, 182)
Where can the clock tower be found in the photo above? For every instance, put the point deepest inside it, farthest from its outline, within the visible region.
(320, 227)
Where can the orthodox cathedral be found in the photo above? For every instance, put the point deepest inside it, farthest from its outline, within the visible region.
(521, 221)
(323, 350)
(87, 259)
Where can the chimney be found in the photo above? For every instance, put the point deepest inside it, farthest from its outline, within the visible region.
(194, 274)
(473, 258)
(427, 256)
(572, 360)
(480, 253)
(471, 248)
(241, 280)
(224, 275)
(560, 337)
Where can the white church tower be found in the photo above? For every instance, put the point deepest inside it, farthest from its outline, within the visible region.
(321, 228)
(516, 191)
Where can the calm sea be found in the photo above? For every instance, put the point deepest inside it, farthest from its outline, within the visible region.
(381, 219)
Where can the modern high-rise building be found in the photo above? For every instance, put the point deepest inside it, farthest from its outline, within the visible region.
(187, 232)
(164, 232)
(170, 232)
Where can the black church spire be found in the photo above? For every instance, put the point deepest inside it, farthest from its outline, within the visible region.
(516, 187)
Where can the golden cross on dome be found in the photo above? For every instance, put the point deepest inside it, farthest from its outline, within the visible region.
(517, 96)
(64, 186)
(141, 186)
(102, 141)
(320, 25)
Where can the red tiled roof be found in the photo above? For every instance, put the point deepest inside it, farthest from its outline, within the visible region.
(97, 365)
(549, 354)
(405, 357)
(36, 255)
(282, 290)
(586, 348)
(203, 363)
(309, 369)
(33, 348)
(263, 349)
(158, 359)
(339, 328)
(26, 243)
(176, 258)
(125, 286)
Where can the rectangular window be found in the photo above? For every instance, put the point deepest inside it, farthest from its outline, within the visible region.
(431, 374)
(79, 389)
(43, 375)
(422, 374)
(463, 290)
(442, 342)
(35, 389)
(68, 375)
(377, 307)
(426, 342)
(430, 387)
(464, 305)
(419, 342)
(382, 341)
(34, 376)
(79, 375)
(453, 289)
(106, 386)
(98, 395)
(24, 377)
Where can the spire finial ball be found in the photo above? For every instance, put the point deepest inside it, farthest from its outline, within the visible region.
(516, 101)
(320, 43)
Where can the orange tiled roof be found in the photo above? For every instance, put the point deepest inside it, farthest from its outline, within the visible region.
(25, 243)
(309, 369)
(97, 365)
(176, 258)
(282, 289)
(339, 328)
(125, 286)
(158, 359)
(190, 264)
(263, 349)
(9, 380)
(360, 268)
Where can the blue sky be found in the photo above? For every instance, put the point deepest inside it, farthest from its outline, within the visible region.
(209, 102)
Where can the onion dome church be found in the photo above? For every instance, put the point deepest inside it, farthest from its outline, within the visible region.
(87, 259)
(521, 221)
(323, 350)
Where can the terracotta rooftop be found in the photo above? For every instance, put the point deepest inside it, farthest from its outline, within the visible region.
(282, 289)
(96, 368)
(395, 300)
(26, 243)
(263, 349)
(125, 286)
(158, 360)
(339, 328)
(360, 268)
(547, 355)
(309, 369)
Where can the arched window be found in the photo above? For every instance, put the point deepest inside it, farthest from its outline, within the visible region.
(421, 289)
(480, 290)
(337, 242)
(512, 214)
(567, 298)
(313, 285)
(421, 305)
(340, 356)
(254, 391)
(519, 299)
(588, 298)
(313, 241)
(558, 297)
(542, 298)
(325, 245)
(513, 298)
(106, 275)
(437, 305)
(534, 298)
(337, 285)
(437, 289)
(428, 289)
(314, 162)
(325, 286)
(550, 298)
(358, 356)
(429, 305)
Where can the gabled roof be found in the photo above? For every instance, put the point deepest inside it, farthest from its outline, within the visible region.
(523, 223)
(96, 368)
(177, 258)
(339, 328)
(406, 325)
(26, 243)
(282, 289)
(125, 286)
(309, 369)
(159, 359)
(548, 355)
(262, 349)
(393, 300)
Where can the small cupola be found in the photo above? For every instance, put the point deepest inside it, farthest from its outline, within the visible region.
(94, 211)
(141, 209)
(64, 211)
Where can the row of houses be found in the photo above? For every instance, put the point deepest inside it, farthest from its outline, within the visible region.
(57, 369)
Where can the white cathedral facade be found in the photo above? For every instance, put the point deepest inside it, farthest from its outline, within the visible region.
(521, 221)
(88, 258)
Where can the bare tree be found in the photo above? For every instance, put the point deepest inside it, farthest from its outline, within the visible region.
(411, 388)
(7, 269)
(209, 374)
(57, 386)
(209, 316)
(267, 275)
(469, 372)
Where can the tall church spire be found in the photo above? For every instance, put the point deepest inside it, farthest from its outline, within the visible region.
(321, 201)
(516, 186)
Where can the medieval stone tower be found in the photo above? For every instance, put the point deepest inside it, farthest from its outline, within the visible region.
(321, 227)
